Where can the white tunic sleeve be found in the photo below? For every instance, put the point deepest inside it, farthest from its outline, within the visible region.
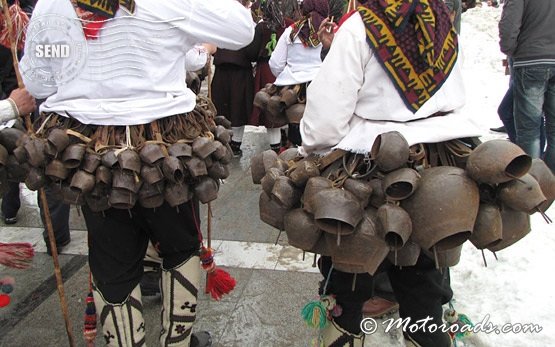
(7, 111)
(278, 60)
(225, 23)
(196, 58)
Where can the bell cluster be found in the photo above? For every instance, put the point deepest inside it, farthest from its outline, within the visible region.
(281, 105)
(100, 173)
(399, 200)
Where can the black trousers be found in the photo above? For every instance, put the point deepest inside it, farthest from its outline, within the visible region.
(10, 200)
(420, 290)
(59, 212)
(294, 134)
(118, 240)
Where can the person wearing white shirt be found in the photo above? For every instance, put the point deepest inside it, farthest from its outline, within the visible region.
(373, 81)
(131, 71)
(19, 102)
(296, 60)
(196, 62)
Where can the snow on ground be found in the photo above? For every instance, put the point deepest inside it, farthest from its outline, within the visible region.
(517, 288)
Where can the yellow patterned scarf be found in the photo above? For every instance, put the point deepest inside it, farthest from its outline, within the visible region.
(94, 13)
(415, 42)
(106, 8)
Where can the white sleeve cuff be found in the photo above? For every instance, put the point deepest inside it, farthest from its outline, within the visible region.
(8, 110)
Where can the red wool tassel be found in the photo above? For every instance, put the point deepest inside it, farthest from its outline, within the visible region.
(219, 282)
(19, 20)
(91, 29)
(16, 255)
(4, 300)
(89, 332)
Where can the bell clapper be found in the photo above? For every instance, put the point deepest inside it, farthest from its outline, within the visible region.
(277, 239)
(484, 258)
(354, 282)
(314, 262)
(515, 178)
(544, 215)
(435, 257)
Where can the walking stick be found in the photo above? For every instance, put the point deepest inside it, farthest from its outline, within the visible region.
(352, 5)
(208, 237)
(42, 194)
(209, 72)
(209, 213)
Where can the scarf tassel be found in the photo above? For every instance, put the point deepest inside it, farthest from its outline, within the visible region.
(91, 29)
(89, 328)
(219, 282)
(6, 287)
(16, 255)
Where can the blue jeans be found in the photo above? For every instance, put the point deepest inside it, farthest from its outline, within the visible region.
(534, 99)
(506, 115)
(505, 112)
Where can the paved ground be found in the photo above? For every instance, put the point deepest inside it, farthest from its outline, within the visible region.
(274, 282)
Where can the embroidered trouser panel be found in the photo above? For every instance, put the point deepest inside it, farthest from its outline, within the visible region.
(179, 298)
(122, 323)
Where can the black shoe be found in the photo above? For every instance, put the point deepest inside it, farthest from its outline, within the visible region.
(10, 220)
(236, 148)
(276, 147)
(501, 129)
(237, 152)
(150, 283)
(201, 339)
(420, 339)
(59, 246)
(284, 139)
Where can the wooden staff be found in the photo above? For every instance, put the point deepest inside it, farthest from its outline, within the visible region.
(42, 194)
(352, 5)
(209, 73)
(209, 213)
(208, 237)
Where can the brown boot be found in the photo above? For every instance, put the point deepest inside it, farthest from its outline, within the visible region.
(377, 307)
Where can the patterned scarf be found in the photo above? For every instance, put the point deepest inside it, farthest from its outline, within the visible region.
(415, 43)
(304, 29)
(314, 12)
(106, 8)
(94, 13)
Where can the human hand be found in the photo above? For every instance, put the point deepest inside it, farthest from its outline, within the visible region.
(210, 48)
(326, 32)
(24, 101)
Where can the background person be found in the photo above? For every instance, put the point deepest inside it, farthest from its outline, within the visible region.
(527, 37)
